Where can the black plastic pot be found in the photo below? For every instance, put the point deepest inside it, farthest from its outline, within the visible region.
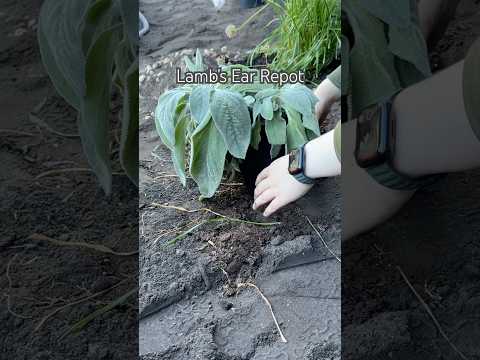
(247, 4)
(256, 161)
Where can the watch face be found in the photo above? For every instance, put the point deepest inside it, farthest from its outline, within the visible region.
(371, 144)
(295, 166)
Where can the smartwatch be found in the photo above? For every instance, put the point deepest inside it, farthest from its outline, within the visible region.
(296, 166)
(375, 149)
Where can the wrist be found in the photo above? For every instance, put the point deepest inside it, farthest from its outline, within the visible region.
(308, 159)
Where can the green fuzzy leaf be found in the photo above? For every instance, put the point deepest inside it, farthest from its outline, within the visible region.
(199, 61)
(296, 98)
(59, 23)
(301, 99)
(98, 18)
(249, 100)
(165, 115)
(275, 151)
(207, 158)
(232, 118)
(311, 123)
(197, 65)
(129, 10)
(189, 64)
(130, 119)
(256, 134)
(296, 136)
(257, 106)
(310, 134)
(199, 102)
(95, 109)
(266, 110)
(178, 152)
(269, 92)
(276, 130)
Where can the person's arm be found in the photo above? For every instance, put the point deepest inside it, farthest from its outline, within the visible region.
(276, 187)
(328, 92)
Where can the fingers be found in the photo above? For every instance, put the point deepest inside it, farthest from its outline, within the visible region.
(266, 197)
(276, 204)
(262, 175)
(261, 187)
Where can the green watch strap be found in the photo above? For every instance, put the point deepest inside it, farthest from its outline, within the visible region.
(301, 177)
(386, 175)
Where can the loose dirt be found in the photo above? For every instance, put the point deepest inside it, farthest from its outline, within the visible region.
(39, 280)
(435, 241)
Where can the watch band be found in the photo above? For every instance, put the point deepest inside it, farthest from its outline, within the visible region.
(386, 175)
(301, 177)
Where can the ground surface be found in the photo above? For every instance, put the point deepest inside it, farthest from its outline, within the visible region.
(189, 301)
(38, 279)
(435, 239)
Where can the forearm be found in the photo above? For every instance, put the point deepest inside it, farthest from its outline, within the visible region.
(321, 157)
(433, 132)
(328, 92)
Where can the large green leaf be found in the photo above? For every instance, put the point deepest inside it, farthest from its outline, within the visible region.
(95, 109)
(256, 134)
(200, 103)
(265, 93)
(266, 110)
(178, 152)
(98, 18)
(232, 118)
(129, 10)
(276, 130)
(296, 136)
(165, 115)
(207, 158)
(130, 119)
(60, 40)
(301, 99)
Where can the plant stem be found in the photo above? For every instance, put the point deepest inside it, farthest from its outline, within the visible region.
(252, 17)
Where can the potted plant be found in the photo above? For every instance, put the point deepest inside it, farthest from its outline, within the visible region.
(222, 127)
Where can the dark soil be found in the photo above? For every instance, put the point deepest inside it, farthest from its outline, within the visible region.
(38, 279)
(435, 241)
(190, 306)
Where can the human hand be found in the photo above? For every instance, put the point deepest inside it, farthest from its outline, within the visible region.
(276, 187)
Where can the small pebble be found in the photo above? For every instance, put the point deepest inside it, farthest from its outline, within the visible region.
(180, 252)
(277, 240)
(19, 32)
(225, 305)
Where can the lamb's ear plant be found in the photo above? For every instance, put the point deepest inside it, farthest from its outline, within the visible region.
(209, 128)
(88, 47)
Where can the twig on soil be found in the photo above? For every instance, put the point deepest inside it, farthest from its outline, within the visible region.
(323, 241)
(282, 337)
(16, 132)
(79, 325)
(36, 120)
(97, 247)
(166, 176)
(179, 208)
(61, 171)
(185, 233)
(8, 296)
(430, 313)
(75, 302)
